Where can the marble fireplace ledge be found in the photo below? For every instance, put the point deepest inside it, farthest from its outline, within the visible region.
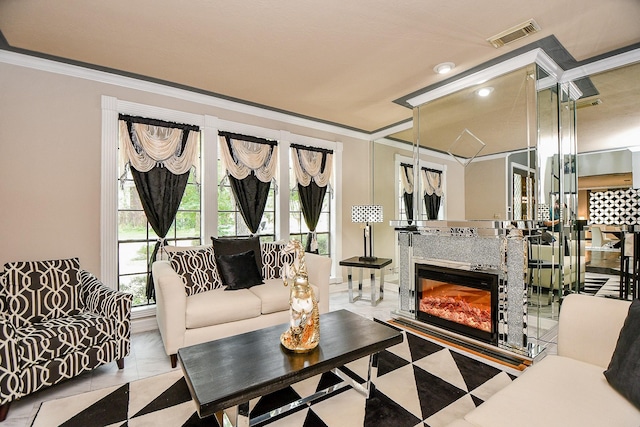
(480, 227)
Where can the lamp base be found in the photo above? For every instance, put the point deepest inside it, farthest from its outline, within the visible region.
(368, 258)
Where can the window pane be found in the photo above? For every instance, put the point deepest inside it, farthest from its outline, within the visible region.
(190, 198)
(132, 225)
(128, 197)
(135, 285)
(323, 243)
(188, 224)
(323, 222)
(133, 257)
(226, 224)
(294, 222)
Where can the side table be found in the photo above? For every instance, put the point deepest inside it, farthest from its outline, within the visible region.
(377, 264)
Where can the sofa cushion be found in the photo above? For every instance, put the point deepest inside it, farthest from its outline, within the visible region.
(239, 271)
(274, 296)
(273, 259)
(623, 372)
(216, 307)
(564, 392)
(197, 267)
(52, 339)
(230, 246)
(38, 291)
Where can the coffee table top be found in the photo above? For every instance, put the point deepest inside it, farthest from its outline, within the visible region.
(230, 371)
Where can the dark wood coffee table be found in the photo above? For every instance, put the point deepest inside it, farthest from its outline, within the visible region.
(228, 372)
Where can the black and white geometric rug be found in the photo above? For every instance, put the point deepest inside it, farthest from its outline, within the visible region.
(593, 284)
(419, 383)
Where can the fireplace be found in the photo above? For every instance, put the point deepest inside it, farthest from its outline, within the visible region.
(461, 301)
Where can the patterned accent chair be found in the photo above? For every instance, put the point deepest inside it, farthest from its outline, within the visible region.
(56, 321)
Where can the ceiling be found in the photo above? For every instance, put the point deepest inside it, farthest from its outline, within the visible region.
(342, 62)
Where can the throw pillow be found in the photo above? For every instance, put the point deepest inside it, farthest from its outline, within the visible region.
(239, 271)
(197, 268)
(37, 291)
(624, 369)
(236, 245)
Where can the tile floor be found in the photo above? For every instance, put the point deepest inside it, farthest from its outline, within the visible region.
(147, 358)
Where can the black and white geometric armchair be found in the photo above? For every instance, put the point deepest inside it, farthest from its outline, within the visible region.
(56, 321)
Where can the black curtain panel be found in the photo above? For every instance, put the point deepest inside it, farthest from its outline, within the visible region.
(408, 206)
(432, 205)
(251, 195)
(311, 199)
(160, 193)
(408, 198)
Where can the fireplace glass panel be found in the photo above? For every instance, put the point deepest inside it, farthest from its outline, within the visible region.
(457, 303)
(462, 301)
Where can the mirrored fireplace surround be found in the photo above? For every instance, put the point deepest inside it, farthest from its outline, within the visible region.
(496, 247)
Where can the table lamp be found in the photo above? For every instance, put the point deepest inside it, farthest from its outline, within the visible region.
(367, 214)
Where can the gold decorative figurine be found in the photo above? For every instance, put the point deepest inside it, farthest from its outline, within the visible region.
(304, 319)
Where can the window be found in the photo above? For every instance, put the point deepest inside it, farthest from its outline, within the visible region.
(230, 221)
(298, 228)
(136, 238)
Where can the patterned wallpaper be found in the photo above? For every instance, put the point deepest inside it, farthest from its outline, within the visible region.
(615, 207)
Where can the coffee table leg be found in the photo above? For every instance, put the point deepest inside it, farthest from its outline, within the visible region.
(372, 373)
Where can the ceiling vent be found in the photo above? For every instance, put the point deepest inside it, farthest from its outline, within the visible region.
(589, 103)
(514, 33)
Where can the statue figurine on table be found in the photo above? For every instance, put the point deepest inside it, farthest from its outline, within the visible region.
(304, 318)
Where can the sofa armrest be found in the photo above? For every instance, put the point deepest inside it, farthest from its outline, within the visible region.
(171, 305)
(99, 299)
(10, 383)
(589, 327)
(319, 272)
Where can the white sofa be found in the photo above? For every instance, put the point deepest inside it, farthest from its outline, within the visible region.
(567, 389)
(187, 320)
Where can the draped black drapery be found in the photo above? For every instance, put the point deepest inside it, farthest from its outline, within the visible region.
(250, 193)
(312, 195)
(433, 192)
(159, 189)
(407, 195)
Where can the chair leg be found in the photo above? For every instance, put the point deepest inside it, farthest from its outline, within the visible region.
(174, 360)
(4, 410)
(120, 363)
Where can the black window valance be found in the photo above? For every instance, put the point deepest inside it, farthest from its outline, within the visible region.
(156, 122)
(247, 138)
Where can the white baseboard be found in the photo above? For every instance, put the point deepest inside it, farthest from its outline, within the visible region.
(143, 324)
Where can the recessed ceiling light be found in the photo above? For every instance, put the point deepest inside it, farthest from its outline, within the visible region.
(485, 91)
(444, 68)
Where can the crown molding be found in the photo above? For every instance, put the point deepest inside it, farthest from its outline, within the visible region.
(57, 67)
(537, 56)
(601, 65)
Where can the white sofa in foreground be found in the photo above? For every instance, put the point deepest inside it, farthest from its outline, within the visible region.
(567, 389)
(185, 320)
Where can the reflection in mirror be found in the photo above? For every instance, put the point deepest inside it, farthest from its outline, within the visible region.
(493, 126)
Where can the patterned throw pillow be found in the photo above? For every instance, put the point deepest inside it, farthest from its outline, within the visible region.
(197, 268)
(37, 291)
(273, 259)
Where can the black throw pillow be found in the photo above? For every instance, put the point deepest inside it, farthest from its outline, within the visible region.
(236, 245)
(624, 369)
(239, 271)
